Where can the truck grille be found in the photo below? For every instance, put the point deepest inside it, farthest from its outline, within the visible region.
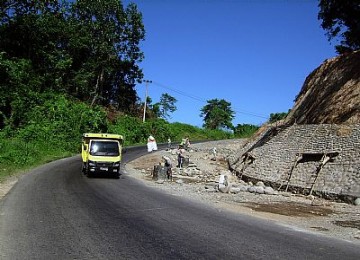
(104, 164)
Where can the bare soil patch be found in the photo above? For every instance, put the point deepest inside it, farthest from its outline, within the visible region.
(292, 209)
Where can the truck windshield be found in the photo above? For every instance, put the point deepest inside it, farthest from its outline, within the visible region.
(104, 148)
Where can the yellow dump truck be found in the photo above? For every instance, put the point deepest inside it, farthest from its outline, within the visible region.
(101, 153)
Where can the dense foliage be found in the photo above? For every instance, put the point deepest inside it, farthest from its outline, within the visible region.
(52, 129)
(245, 130)
(341, 18)
(86, 49)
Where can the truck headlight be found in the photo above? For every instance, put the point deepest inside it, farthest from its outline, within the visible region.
(92, 164)
(116, 164)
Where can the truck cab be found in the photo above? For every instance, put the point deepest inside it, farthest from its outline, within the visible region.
(101, 154)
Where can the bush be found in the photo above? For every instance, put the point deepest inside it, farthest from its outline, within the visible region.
(245, 130)
(129, 127)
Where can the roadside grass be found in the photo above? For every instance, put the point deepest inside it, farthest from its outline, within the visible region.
(8, 170)
(18, 156)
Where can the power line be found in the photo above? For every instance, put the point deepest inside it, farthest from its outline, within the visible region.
(180, 92)
(204, 101)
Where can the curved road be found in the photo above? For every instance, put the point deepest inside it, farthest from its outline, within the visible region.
(54, 212)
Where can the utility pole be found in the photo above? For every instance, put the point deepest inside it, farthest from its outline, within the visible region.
(146, 95)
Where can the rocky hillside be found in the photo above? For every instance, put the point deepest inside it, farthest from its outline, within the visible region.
(316, 149)
(330, 94)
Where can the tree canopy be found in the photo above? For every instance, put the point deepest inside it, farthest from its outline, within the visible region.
(166, 105)
(217, 114)
(341, 18)
(84, 49)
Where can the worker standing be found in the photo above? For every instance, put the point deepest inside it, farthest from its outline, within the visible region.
(169, 143)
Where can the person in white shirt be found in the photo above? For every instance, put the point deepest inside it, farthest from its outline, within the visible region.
(151, 144)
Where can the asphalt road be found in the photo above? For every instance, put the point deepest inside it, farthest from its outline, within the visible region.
(55, 212)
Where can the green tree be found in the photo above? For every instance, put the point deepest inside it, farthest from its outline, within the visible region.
(36, 31)
(341, 18)
(18, 84)
(110, 47)
(217, 114)
(277, 116)
(86, 49)
(166, 105)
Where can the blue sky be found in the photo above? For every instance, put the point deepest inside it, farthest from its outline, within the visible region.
(253, 54)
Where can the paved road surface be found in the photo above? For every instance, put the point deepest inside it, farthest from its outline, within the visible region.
(55, 212)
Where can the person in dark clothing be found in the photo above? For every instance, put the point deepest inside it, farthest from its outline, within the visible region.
(168, 166)
(181, 156)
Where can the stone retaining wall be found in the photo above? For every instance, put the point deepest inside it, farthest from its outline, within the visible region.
(273, 156)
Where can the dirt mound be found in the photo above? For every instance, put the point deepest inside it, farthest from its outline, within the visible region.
(330, 94)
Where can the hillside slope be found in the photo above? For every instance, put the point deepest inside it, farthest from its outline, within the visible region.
(330, 94)
(316, 149)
